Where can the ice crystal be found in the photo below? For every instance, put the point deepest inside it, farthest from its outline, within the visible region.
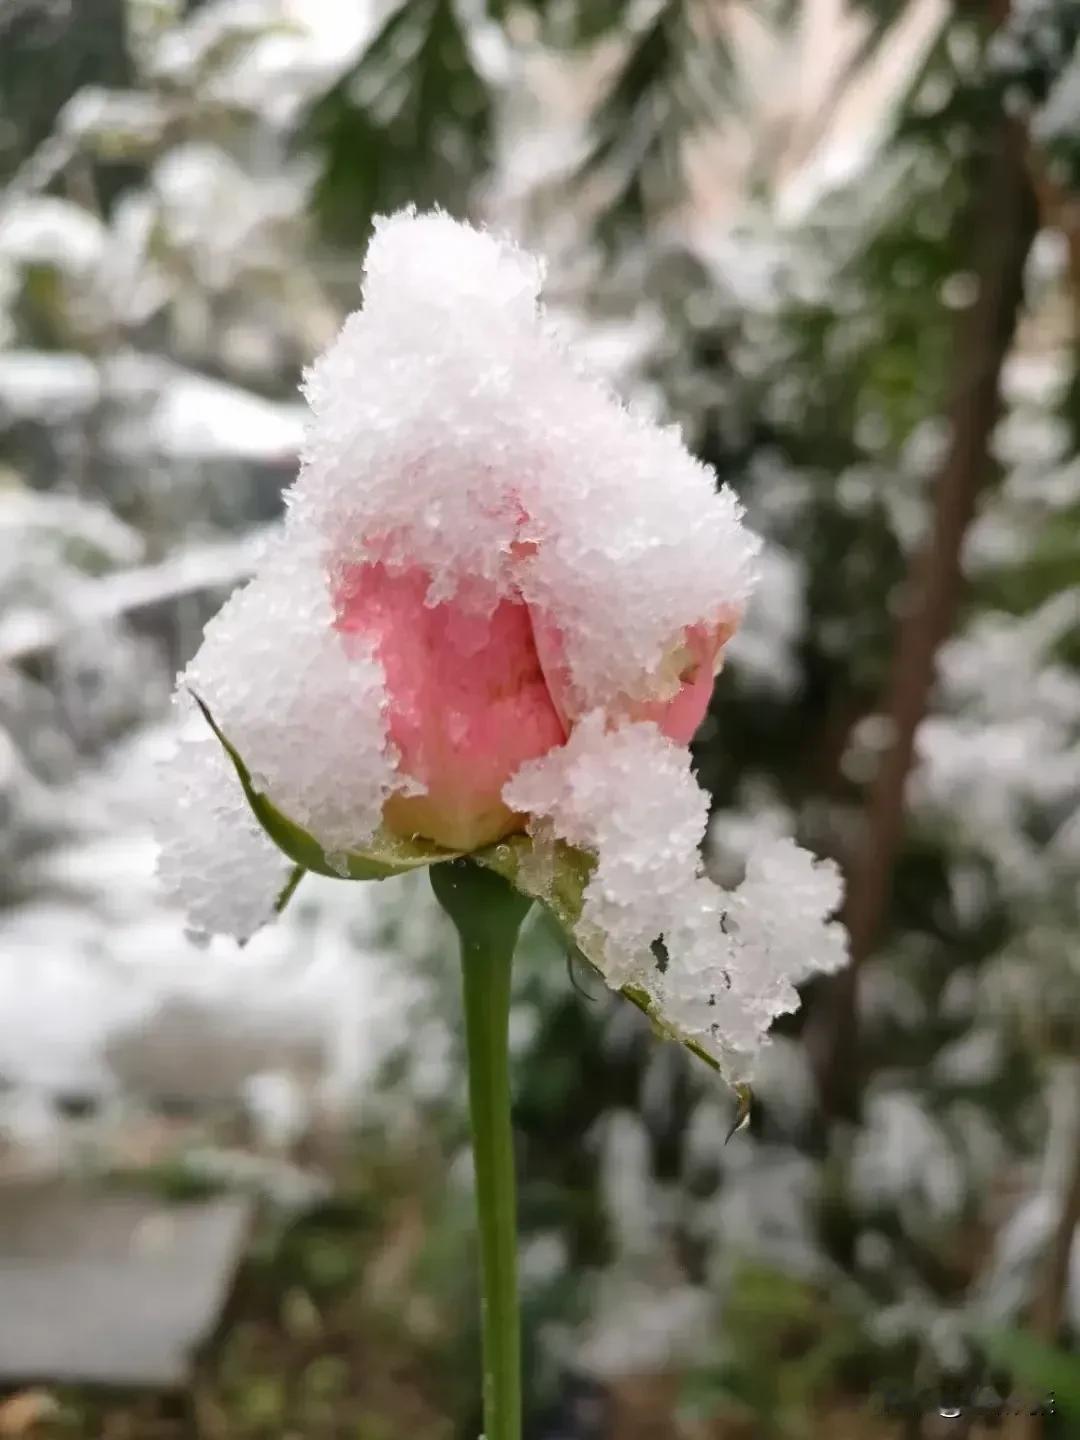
(454, 438)
(214, 858)
(718, 965)
(453, 431)
(302, 703)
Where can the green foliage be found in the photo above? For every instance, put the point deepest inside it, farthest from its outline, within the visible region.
(409, 124)
(787, 1347)
(1047, 1375)
(387, 855)
(47, 53)
(817, 382)
(672, 73)
(311, 1345)
(1038, 65)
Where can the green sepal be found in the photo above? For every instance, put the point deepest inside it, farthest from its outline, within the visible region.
(486, 910)
(561, 891)
(386, 855)
(561, 887)
(744, 1108)
(557, 880)
(288, 890)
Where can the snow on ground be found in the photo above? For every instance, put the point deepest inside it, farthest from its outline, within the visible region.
(105, 996)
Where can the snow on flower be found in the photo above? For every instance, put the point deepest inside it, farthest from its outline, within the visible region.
(497, 605)
(213, 855)
(729, 960)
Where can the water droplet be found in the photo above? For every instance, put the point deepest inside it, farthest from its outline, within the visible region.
(338, 861)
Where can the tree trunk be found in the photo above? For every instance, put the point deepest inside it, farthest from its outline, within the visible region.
(1003, 227)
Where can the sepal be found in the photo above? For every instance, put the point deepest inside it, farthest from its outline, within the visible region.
(557, 876)
(552, 872)
(386, 854)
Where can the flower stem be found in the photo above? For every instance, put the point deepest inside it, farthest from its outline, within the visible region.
(488, 914)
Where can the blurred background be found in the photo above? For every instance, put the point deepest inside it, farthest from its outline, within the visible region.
(839, 244)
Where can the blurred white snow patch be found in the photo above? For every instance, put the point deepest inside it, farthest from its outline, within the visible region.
(1058, 118)
(54, 999)
(542, 1257)
(197, 417)
(109, 274)
(887, 996)
(121, 122)
(1036, 377)
(1031, 438)
(990, 776)
(83, 619)
(34, 1136)
(29, 806)
(1009, 741)
(733, 834)
(784, 1084)
(287, 1185)
(45, 230)
(751, 261)
(731, 958)
(1021, 1242)
(980, 1142)
(849, 106)
(122, 1002)
(32, 518)
(633, 1198)
(976, 1059)
(1004, 1286)
(614, 349)
(762, 650)
(763, 1211)
(220, 215)
(1056, 488)
(639, 1326)
(108, 998)
(35, 385)
(994, 542)
(916, 1318)
(159, 408)
(960, 991)
(265, 55)
(658, 1097)
(904, 1158)
(1004, 663)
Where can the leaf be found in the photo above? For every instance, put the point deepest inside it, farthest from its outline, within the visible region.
(556, 877)
(1051, 1376)
(673, 74)
(558, 881)
(409, 123)
(387, 855)
(743, 1110)
(288, 890)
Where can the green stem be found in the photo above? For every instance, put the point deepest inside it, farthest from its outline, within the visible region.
(488, 914)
